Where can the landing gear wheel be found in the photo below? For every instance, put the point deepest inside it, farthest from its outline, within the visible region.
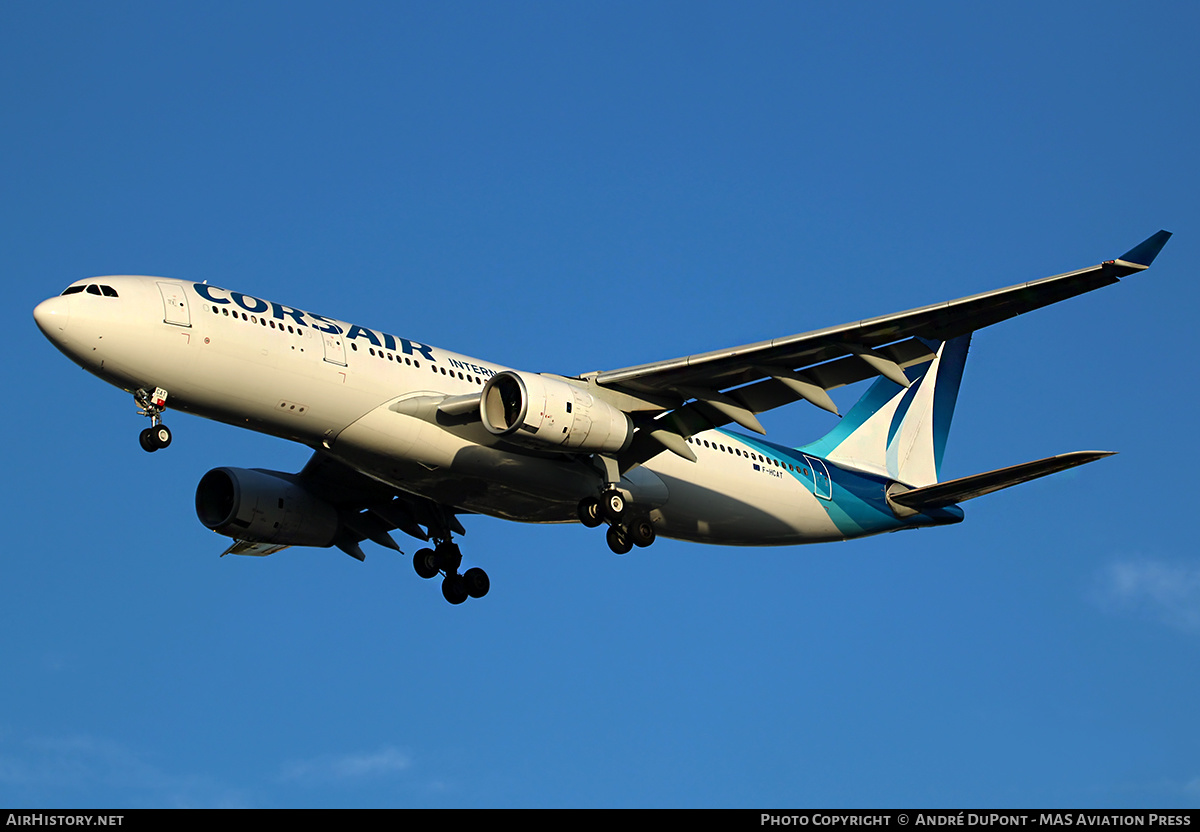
(161, 436)
(146, 440)
(641, 532)
(618, 540)
(476, 582)
(454, 589)
(612, 506)
(425, 562)
(589, 512)
(153, 438)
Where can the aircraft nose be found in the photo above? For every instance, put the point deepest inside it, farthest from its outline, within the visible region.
(52, 316)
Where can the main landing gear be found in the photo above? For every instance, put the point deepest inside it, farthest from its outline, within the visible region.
(624, 531)
(158, 435)
(445, 559)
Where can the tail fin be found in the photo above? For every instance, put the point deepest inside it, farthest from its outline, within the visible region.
(897, 432)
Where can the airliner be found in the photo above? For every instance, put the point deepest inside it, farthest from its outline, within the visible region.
(409, 437)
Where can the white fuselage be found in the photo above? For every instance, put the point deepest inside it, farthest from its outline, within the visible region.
(369, 399)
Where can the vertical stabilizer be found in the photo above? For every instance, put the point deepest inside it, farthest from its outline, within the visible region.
(898, 432)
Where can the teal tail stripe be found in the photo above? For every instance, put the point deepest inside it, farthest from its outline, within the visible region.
(878, 395)
(945, 395)
(897, 431)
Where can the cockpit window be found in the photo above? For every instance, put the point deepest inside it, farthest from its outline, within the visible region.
(92, 289)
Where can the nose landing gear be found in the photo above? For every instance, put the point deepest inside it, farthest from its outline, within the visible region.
(158, 435)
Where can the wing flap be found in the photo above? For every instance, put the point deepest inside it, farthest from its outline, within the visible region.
(250, 547)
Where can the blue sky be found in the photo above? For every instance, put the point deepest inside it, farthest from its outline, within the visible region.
(571, 187)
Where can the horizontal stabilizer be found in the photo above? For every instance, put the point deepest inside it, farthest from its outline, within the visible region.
(968, 488)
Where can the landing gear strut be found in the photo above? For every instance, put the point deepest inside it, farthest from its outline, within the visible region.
(445, 559)
(158, 435)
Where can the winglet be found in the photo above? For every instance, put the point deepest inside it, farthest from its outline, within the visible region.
(1144, 252)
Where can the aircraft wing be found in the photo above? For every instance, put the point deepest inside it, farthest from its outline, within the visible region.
(367, 509)
(715, 388)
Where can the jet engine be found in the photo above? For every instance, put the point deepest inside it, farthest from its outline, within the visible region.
(551, 414)
(264, 507)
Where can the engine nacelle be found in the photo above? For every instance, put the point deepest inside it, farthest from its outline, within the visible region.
(550, 414)
(264, 507)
